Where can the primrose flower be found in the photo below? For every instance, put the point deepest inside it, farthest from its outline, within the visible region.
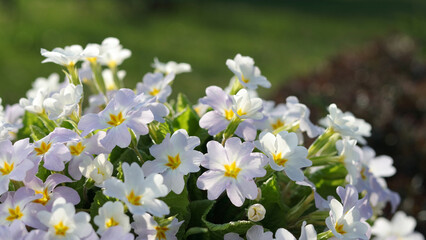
(284, 154)
(64, 103)
(108, 77)
(49, 85)
(112, 52)
(346, 224)
(16, 230)
(156, 85)
(13, 119)
(218, 119)
(256, 212)
(307, 233)
(53, 150)
(231, 168)
(346, 124)
(175, 157)
(121, 113)
(247, 107)
(14, 162)
(400, 227)
(34, 104)
(379, 166)
(67, 56)
(137, 192)
(64, 223)
(18, 206)
(146, 228)
(112, 214)
(116, 232)
(50, 191)
(99, 169)
(170, 67)
(256, 232)
(248, 74)
(349, 157)
(349, 197)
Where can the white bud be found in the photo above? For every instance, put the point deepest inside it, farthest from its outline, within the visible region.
(256, 212)
(259, 195)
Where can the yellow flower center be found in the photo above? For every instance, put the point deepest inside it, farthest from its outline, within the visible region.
(161, 232)
(244, 79)
(7, 168)
(110, 222)
(339, 228)
(60, 229)
(174, 162)
(116, 119)
(91, 59)
(277, 124)
(279, 160)
(43, 200)
(154, 92)
(112, 64)
(363, 176)
(240, 112)
(77, 149)
(134, 199)
(232, 170)
(43, 148)
(229, 114)
(14, 214)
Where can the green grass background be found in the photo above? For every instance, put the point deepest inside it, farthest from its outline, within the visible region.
(286, 38)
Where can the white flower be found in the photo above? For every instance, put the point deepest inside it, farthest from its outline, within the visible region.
(175, 157)
(156, 85)
(284, 153)
(350, 158)
(170, 67)
(379, 166)
(112, 214)
(256, 212)
(100, 169)
(64, 103)
(400, 227)
(346, 124)
(147, 228)
(67, 56)
(246, 107)
(34, 104)
(307, 233)
(346, 225)
(254, 233)
(63, 223)
(109, 79)
(111, 52)
(248, 74)
(49, 85)
(137, 192)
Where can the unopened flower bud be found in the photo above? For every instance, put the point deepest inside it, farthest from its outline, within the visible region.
(256, 212)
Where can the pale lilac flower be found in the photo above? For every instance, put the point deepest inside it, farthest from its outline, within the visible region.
(400, 227)
(159, 110)
(248, 74)
(346, 224)
(156, 85)
(18, 206)
(64, 103)
(111, 214)
(121, 113)
(14, 162)
(97, 103)
(82, 149)
(67, 56)
(256, 232)
(307, 233)
(64, 223)
(346, 124)
(50, 191)
(175, 157)
(379, 166)
(5, 129)
(137, 192)
(247, 107)
(350, 158)
(53, 150)
(117, 232)
(13, 118)
(218, 120)
(146, 228)
(170, 67)
(15, 231)
(200, 109)
(99, 169)
(350, 198)
(231, 168)
(284, 154)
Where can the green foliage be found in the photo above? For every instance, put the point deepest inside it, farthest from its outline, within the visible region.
(329, 178)
(158, 131)
(33, 127)
(98, 201)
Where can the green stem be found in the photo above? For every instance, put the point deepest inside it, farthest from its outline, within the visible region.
(320, 142)
(230, 130)
(325, 235)
(236, 86)
(324, 160)
(99, 80)
(134, 146)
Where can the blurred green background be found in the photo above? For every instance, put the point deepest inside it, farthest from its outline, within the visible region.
(286, 38)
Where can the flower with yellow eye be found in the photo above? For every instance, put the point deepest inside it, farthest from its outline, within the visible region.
(156, 85)
(111, 214)
(248, 74)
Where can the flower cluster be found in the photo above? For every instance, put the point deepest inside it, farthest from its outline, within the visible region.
(131, 164)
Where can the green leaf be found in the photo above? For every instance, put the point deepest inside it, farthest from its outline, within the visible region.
(158, 131)
(120, 155)
(329, 178)
(179, 206)
(182, 102)
(32, 127)
(272, 201)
